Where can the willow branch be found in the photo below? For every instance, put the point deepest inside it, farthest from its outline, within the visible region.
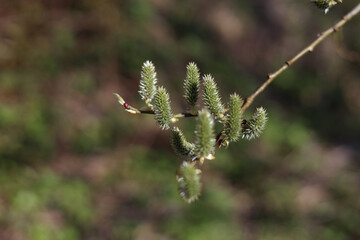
(178, 115)
(149, 109)
(308, 49)
(133, 110)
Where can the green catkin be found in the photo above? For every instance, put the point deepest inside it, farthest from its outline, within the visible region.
(325, 4)
(188, 178)
(192, 84)
(181, 146)
(232, 125)
(162, 108)
(205, 139)
(255, 126)
(148, 82)
(212, 98)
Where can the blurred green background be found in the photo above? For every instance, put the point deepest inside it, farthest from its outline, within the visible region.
(74, 165)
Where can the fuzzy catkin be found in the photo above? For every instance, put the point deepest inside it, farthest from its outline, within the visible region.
(182, 147)
(162, 108)
(255, 126)
(148, 82)
(232, 125)
(189, 181)
(211, 97)
(192, 84)
(204, 144)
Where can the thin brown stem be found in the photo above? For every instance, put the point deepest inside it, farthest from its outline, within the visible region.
(308, 49)
(149, 109)
(178, 115)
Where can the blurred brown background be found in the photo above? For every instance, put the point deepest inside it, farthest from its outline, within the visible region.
(74, 165)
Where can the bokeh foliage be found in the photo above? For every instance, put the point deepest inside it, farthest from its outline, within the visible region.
(74, 166)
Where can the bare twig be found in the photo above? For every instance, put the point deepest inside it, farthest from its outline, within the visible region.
(308, 49)
(178, 115)
(149, 109)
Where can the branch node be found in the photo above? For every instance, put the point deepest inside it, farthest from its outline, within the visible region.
(345, 18)
(288, 63)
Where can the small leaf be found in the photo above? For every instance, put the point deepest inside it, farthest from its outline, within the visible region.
(128, 108)
(205, 139)
(119, 98)
(232, 126)
(189, 182)
(180, 145)
(255, 126)
(192, 84)
(211, 97)
(162, 108)
(148, 82)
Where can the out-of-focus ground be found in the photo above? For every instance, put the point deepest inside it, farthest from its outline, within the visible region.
(74, 165)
